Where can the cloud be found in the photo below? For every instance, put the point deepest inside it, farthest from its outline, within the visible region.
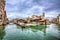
(27, 8)
(22, 5)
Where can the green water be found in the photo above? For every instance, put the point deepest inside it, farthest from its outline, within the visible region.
(15, 32)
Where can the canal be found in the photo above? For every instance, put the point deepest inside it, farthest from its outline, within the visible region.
(15, 32)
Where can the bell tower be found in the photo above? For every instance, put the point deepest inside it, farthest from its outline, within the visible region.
(3, 16)
(43, 14)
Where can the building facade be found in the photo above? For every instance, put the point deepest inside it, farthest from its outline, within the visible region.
(3, 16)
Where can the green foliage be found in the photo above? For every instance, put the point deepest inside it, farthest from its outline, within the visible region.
(1, 27)
(38, 27)
(2, 32)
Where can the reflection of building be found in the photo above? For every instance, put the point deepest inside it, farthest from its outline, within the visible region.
(3, 19)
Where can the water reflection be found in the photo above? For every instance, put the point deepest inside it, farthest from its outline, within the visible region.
(2, 32)
(14, 32)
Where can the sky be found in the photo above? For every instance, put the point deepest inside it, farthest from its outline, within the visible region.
(27, 8)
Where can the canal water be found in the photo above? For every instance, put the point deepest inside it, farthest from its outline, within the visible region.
(15, 32)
